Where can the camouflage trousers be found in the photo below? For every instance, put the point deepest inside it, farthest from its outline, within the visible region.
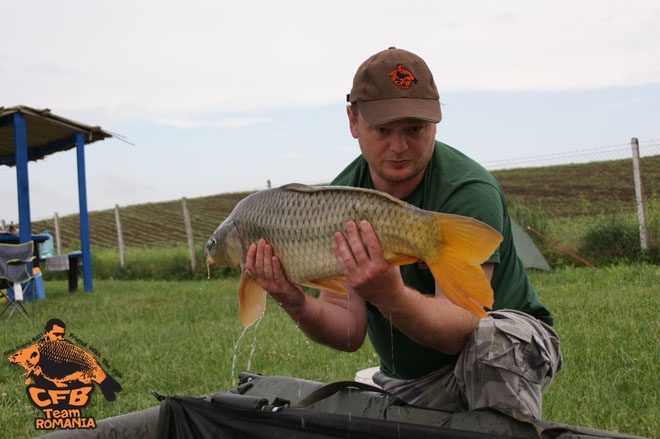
(507, 364)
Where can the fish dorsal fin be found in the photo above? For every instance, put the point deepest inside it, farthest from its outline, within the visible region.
(299, 187)
(251, 300)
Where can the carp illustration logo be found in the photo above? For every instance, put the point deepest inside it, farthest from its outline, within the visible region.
(60, 378)
(402, 77)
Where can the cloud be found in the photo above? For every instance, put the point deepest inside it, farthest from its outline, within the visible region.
(212, 56)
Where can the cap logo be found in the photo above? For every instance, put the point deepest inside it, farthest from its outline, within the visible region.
(402, 77)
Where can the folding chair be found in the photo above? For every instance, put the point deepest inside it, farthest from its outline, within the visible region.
(16, 276)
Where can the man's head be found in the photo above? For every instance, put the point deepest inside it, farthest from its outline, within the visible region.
(54, 329)
(395, 84)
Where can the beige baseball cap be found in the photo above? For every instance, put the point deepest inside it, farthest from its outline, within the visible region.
(395, 84)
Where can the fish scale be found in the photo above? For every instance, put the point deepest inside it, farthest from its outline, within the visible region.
(70, 358)
(299, 223)
(301, 227)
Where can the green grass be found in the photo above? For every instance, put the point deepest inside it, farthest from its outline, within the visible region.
(179, 338)
(172, 337)
(608, 324)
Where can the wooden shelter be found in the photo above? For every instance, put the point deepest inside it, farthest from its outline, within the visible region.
(28, 134)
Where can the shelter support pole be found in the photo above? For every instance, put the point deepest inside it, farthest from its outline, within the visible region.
(84, 217)
(22, 181)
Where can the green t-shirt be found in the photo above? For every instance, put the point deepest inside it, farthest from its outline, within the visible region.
(453, 183)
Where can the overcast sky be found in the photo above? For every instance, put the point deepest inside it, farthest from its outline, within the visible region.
(219, 96)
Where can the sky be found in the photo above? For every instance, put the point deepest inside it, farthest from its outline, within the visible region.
(207, 97)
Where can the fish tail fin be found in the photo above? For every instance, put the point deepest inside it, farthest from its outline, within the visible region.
(109, 386)
(467, 243)
(251, 300)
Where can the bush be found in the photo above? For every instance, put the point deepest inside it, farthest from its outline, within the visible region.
(160, 263)
(615, 239)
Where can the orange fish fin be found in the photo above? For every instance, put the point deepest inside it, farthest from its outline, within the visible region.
(251, 300)
(465, 285)
(472, 240)
(467, 243)
(329, 284)
(399, 259)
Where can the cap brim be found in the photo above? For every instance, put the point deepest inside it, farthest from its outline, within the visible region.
(378, 112)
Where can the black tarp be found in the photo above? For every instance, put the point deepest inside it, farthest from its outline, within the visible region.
(186, 417)
(269, 407)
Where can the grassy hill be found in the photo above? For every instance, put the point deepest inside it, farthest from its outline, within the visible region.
(566, 191)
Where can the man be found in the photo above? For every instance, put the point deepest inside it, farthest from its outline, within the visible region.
(432, 353)
(55, 329)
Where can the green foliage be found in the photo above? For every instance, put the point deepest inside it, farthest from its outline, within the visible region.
(159, 263)
(611, 238)
(181, 338)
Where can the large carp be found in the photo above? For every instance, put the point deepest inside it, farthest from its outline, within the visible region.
(61, 362)
(299, 222)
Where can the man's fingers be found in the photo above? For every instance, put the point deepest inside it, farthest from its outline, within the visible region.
(342, 251)
(267, 260)
(370, 237)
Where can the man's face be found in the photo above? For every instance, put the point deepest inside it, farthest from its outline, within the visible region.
(397, 152)
(57, 333)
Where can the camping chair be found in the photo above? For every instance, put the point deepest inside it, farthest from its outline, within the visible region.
(16, 276)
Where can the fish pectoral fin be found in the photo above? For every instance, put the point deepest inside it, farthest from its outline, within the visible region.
(333, 284)
(463, 283)
(251, 300)
(399, 259)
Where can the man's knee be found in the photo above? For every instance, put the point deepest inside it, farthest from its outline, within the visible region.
(509, 362)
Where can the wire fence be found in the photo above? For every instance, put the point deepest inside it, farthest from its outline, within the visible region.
(647, 148)
(635, 150)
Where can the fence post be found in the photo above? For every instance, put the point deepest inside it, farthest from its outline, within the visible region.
(639, 195)
(56, 220)
(120, 239)
(189, 234)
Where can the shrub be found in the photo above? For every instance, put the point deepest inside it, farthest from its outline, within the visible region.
(615, 239)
